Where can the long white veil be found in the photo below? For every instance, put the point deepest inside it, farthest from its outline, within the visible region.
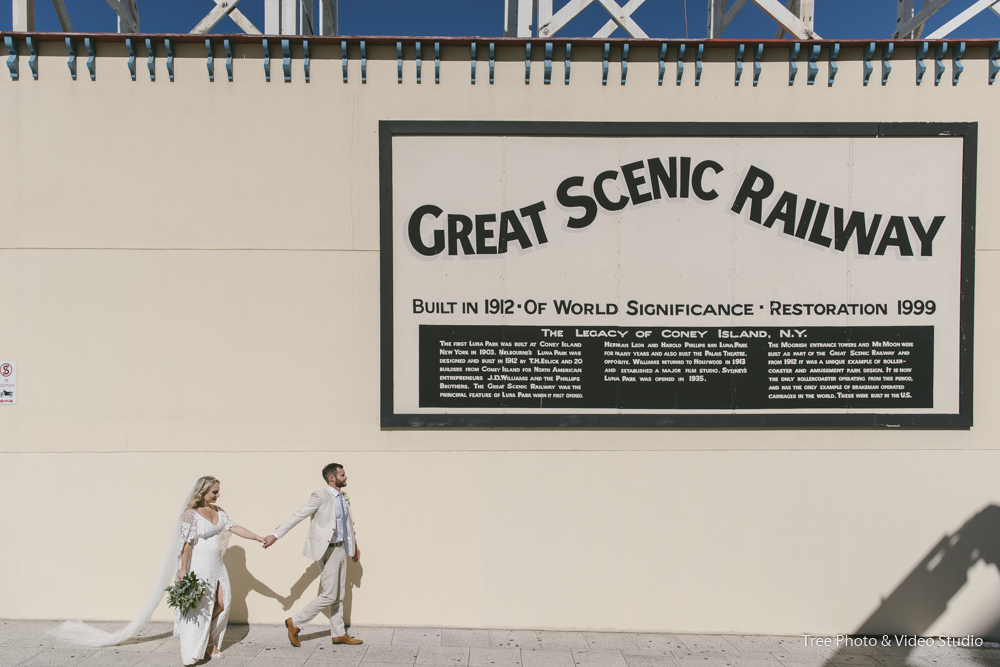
(78, 632)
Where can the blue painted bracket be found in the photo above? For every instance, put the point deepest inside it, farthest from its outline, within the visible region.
(210, 60)
(33, 60)
(886, 67)
(71, 63)
(569, 51)
(832, 66)
(757, 54)
(12, 63)
(472, 59)
(305, 58)
(697, 64)
(170, 58)
(956, 63)
(343, 54)
(492, 54)
(740, 50)
(624, 62)
(437, 62)
(994, 62)
(939, 51)
(604, 77)
(663, 62)
(229, 58)
(131, 57)
(527, 62)
(92, 58)
(793, 55)
(681, 48)
(921, 67)
(267, 61)
(813, 67)
(364, 62)
(399, 61)
(151, 59)
(286, 60)
(420, 62)
(548, 63)
(867, 64)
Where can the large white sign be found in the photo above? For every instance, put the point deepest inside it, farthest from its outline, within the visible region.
(689, 275)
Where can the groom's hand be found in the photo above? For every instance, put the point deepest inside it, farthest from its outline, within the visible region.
(269, 540)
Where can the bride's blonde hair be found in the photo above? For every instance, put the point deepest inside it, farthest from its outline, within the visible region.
(201, 487)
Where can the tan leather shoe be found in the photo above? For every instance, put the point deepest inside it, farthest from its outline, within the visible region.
(293, 632)
(345, 639)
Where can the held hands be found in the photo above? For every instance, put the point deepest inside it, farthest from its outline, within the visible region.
(269, 540)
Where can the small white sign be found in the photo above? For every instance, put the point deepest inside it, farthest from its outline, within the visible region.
(8, 383)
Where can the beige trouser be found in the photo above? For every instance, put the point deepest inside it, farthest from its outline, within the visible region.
(332, 580)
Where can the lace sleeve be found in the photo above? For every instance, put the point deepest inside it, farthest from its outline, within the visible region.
(227, 522)
(188, 531)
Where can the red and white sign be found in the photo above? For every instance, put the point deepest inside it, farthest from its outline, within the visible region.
(8, 383)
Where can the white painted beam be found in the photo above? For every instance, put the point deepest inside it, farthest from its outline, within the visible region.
(619, 16)
(525, 17)
(731, 12)
(328, 17)
(289, 17)
(611, 26)
(272, 17)
(128, 15)
(787, 20)
(716, 11)
(566, 13)
(960, 20)
(222, 9)
(23, 15)
(915, 24)
(63, 15)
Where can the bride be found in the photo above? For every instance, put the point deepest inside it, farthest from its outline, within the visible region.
(204, 536)
(197, 545)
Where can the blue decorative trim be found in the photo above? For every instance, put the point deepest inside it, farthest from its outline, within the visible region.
(813, 67)
(757, 53)
(607, 50)
(867, 64)
(548, 63)
(229, 58)
(71, 63)
(921, 67)
(131, 57)
(151, 59)
(697, 63)
(663, 63)
(437, 62)
(527, 62)
(472, 59)
(92, 58)
(740, 50)
(399, 61)
(364, 62)
(939, 51)
(210, 60)
(33, 60)
(793, 68)
(832, 67)
(170, 58)
(420, 63)
(305, 58)
(956, 63)
(286, 60)
(343, 53)
(624, 62)
(267, 61)
(681, 48)
(569, 51)
(12, 63)
(886, 67)
(491, 63)
(994, 62)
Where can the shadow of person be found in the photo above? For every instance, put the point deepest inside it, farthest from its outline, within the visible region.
(355, 571)
(241, 582)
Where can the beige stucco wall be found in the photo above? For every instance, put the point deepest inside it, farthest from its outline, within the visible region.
(189, 285)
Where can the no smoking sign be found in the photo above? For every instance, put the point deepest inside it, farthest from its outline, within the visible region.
(8, 383)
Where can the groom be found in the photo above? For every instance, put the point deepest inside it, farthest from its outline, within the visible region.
(329, 542)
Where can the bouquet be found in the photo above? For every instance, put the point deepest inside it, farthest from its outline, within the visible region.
(187, 593)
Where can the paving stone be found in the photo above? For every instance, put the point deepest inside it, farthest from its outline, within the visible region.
(31, 642)
(111, 658)
(372, 634)
(748, 659)
(339, 655)
(443, 655)
(462, 637)
(657, 642)
(274, 662)
(609, 658)
(527, 639)
(649, 658)
(383, 653)
(60, 657)
(701, 658)
(601, 641)
(703, 643)
(155, 659)
(753, 643)
(554, 641)
(540, 658)
(286, 650)
(494, 657)
(416, 637)
(15, 655)
(17, 629)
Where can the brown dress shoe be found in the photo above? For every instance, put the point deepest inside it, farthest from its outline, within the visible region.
(293, 632)
(345, 639)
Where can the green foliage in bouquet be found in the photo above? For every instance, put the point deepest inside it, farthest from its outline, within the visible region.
(187, 593)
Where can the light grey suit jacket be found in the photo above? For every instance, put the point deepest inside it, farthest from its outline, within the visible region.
(322, 507)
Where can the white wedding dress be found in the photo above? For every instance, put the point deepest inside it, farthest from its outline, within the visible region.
(208, 544)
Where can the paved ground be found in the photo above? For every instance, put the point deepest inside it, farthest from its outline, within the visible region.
(25, 643)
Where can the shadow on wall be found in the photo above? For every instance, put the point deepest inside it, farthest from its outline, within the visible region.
(923, 596)
(242, 582)
(355, 571)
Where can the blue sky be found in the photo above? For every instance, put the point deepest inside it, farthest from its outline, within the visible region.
(835, 19)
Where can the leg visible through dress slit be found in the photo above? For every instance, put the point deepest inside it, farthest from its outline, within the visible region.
(220, 616)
